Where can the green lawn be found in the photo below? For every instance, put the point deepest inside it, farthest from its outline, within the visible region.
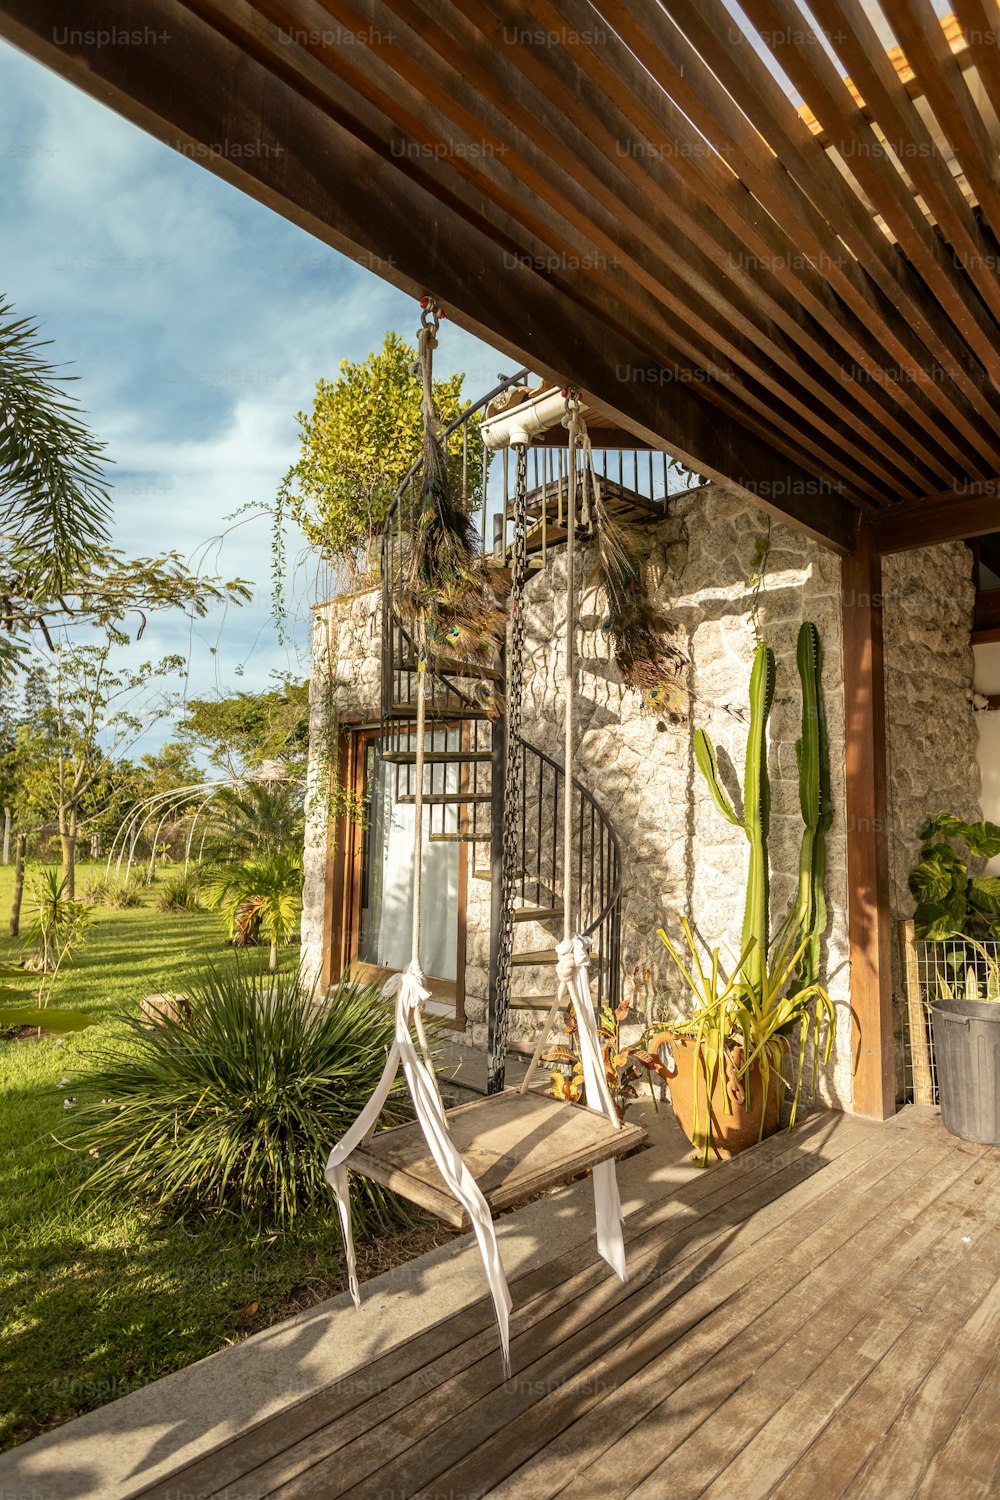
(97, 1300)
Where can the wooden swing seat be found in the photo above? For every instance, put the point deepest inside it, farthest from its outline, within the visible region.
(515, 1145)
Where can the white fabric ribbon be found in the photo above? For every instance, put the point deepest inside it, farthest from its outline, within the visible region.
(410, 994)
(573, 969)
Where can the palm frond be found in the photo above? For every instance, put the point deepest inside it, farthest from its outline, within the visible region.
(54, 506)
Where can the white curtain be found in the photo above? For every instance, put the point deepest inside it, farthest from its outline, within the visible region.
(386, 919)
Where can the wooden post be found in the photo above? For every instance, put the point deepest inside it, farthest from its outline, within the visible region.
(869, 906)
(916, 1007)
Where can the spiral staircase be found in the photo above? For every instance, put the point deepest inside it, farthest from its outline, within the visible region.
(468, 743)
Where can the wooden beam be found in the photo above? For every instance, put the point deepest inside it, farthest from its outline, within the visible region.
(797, 236)
(400, 94)
(855, 40)
(708, 25)
(196, 89)
(866, 810)
(953, 516)
(814, 73)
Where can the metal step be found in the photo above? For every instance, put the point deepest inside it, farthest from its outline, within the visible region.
(436, 757)
(434, 713)
(452, 666)
(538, 913)
(441, 799)
(540, 956)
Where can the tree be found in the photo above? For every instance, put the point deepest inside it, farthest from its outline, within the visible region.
(56, 563)
(97, 711)
(244, 730)
(363, 434)
(260, 895)
(255, 819)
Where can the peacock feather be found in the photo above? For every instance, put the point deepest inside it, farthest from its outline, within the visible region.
(447, 584)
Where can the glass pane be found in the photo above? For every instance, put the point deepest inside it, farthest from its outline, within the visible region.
(387, 876)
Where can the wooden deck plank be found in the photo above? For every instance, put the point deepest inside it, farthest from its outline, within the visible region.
(928, 1419)
(632, 1403)
(862, 1421)
(889, 1291)
(740, 1321)
(515, 1145)
(819, 1140)
(970, 1456)
(675, 1234)
(437, 1435)
(773, 1451)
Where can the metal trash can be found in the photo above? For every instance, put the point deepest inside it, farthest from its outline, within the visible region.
(967, 1057)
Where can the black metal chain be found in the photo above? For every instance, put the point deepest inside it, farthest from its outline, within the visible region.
(513, 791)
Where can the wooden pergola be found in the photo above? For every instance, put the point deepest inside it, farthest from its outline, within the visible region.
(772, 253)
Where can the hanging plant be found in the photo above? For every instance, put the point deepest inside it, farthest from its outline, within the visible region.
(639, 627)
(447, 588)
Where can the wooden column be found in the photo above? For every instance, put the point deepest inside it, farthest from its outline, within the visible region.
(869, 907)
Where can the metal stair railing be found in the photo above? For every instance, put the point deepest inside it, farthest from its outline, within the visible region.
(538, 880)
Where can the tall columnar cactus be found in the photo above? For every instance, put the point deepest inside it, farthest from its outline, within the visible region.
(812, 753)
(756, 810)
(806, 921)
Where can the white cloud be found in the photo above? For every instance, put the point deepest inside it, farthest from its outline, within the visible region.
(198, 322)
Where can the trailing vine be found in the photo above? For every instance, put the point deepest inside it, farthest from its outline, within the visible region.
(755, 580)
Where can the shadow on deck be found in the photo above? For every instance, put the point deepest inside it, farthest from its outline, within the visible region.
(818, 1317)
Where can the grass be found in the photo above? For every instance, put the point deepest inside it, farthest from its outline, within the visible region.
(96, 1300)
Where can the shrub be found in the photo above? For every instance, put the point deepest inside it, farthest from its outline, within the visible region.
(234, 1106)
(123, 895)
(260, 898)
(180, 893)
(117, 894)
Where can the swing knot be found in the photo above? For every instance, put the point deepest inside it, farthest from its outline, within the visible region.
(572, 954)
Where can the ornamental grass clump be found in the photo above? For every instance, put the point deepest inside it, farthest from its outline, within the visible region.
(233, 1107)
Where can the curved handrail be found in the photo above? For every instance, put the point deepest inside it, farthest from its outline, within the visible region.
(590, 800)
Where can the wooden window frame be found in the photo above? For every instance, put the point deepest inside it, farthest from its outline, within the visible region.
(344, 868)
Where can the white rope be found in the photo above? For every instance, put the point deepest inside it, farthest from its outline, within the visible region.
(410, 992)
(573, 953)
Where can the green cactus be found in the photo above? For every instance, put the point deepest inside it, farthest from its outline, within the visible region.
(756, 810)
(808, 916)
(812, 753)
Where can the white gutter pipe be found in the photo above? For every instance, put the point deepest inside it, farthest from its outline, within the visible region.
(519, 424)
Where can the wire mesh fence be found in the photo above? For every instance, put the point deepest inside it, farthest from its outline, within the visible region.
(954, 969)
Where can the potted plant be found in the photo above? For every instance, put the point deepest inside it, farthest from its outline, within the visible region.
(624, 1063)
(730, 1053)
(958, 916)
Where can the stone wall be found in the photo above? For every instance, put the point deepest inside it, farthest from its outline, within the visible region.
(928, 602)
(680, 856)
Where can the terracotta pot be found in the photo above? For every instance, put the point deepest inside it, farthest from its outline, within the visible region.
(731, 1133)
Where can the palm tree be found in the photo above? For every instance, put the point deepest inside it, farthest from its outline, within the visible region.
(255, 819)
(54, 506)
(260, 896)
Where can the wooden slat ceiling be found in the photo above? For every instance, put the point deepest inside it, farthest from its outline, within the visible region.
(772, 250)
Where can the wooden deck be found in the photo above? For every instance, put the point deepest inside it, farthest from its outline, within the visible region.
(819, 1318)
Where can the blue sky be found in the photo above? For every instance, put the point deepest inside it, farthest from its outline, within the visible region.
(198, 322)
